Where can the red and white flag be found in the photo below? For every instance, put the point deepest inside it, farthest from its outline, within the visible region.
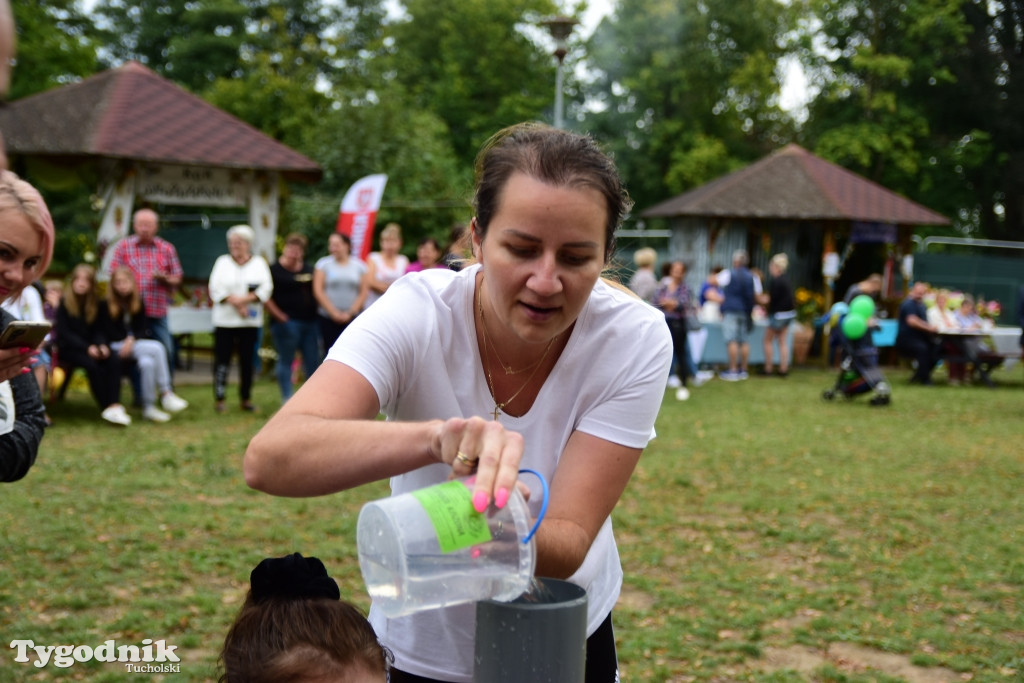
(359, 212)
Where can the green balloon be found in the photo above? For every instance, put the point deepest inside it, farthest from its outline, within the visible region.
(854, 326)
(863, 305)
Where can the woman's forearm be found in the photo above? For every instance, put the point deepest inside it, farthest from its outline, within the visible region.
(310, 455)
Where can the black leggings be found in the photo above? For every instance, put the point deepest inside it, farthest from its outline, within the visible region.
(602, 661)
(225, 342)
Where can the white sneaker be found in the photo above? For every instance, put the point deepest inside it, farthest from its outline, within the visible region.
(173, 403)
(673, 382)
(116, 414)
(697, 380)
(682, 394)
(155, 414)
(705, 375)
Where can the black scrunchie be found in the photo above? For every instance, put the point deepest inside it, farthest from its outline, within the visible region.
(292, 577)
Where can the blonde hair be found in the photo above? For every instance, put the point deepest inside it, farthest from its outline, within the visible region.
(645, 257)
(117, 304)
(19, 196)
(391, 230)
(780, 261)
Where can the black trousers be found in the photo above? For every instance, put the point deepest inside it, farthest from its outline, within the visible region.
(602, 661)
(226, 340)
(926, 353)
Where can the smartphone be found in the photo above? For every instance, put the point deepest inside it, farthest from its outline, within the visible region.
(24, 334)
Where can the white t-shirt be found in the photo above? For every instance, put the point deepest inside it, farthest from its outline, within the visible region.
(385, 274)
(417, 347)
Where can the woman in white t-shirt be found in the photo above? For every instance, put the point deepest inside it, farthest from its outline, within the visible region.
(387, 265)
(525, 359)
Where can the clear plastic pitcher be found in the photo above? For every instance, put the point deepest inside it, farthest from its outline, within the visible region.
(430, 548)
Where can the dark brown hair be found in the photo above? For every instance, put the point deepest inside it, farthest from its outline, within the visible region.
(287, 639)
(552, 156)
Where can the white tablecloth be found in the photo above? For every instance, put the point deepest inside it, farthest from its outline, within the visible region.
(188, 319)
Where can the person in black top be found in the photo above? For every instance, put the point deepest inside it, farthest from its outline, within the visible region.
(781, 312)
(81, 323)
(915, 336)
(292, 307)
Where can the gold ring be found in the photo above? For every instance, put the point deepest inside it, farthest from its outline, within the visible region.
(465, 459)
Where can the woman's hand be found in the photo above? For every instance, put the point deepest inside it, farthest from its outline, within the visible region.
(341, 317)
(14, 362)
(126, 348)
(481, 447)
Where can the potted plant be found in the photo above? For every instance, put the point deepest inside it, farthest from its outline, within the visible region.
(809, 307)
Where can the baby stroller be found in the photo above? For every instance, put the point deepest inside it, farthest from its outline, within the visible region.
(858, 371)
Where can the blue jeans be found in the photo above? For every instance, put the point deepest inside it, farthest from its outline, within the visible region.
(161, 331)
(289, 337)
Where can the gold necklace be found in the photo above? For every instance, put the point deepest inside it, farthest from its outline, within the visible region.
(504, 366)
(500, 405)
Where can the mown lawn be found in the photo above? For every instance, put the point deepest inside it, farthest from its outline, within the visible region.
(767, 535)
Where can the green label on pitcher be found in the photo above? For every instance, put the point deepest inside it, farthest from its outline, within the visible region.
(450, 508)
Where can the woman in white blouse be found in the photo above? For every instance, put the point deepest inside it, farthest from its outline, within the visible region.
(240, 283)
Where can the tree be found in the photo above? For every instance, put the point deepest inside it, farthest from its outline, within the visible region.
(472, 64)
(688, 90)
(56, 45)
(192, 42)
(927, 98)
(428, 187)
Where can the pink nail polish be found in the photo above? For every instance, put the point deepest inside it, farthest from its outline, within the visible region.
(25, 371)
(24, 349)
(501, 497)
(480, 500)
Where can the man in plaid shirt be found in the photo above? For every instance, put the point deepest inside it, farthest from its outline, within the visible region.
(154, 261)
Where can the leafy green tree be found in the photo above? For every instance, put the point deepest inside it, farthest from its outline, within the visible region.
(57, 44)
(687, 91)
(192, 42)
(473, 64)
(428, 187)
(927, 98)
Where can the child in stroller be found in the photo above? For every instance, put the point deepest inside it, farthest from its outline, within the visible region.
(858, 365)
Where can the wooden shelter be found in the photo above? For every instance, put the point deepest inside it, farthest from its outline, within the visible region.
(140, 137)
(794, 202)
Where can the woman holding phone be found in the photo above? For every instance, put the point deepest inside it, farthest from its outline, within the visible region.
(26, 246)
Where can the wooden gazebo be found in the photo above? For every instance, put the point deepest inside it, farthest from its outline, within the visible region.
(140, 137)
(795, 202)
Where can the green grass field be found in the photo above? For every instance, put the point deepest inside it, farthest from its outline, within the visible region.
(767, 535)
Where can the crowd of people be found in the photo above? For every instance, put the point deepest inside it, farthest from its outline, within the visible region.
(940, 325)
(731, 296)
(478, 383)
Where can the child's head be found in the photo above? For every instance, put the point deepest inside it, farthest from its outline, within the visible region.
(122, 281)
(83, 279)
(295, 628)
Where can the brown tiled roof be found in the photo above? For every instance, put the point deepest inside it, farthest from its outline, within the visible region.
(794, 184)
(132, 113)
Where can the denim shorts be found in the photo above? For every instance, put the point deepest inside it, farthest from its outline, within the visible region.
(780, 324)
(735, 327)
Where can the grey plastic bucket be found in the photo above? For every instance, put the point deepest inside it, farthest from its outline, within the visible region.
(540, 636)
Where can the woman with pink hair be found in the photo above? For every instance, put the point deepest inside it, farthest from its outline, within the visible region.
(26, 246)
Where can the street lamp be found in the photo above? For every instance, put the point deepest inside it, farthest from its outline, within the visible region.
(560, 27)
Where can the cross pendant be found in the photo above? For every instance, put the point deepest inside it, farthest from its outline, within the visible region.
(497, 411)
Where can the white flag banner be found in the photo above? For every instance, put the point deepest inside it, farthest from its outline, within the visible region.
(359, 212)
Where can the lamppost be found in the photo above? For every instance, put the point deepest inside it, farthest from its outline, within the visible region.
(560, 27)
